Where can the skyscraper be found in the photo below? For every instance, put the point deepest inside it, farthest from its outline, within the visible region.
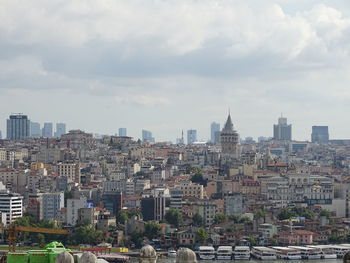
(18, 127)
(320, 134)
(147, 136)
(60, 129)
(0, 135)
(215, 132)
(191, 136)
(229, 139)
(122, 132)
(35, 130)
(282, 130)
(47, 129)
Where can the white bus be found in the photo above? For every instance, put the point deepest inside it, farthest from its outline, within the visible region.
(264, 253)
(224, 252)
(287, 253)
(206, 252)
(241, 253)
(308, 252)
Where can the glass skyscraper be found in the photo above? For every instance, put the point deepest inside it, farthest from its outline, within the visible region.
(18, 127)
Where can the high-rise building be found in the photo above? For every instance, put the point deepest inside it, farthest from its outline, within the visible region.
(320, 134)
(191, 136)
(0, 135)
(147, 136)
(12, 205)
(47, 129)
(282, 131)
(60, 129)
(122, 132)
(229, 139)
(215, 132)
(35, 130)
(18, 126)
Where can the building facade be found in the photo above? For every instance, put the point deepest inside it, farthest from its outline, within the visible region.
(282, 131)
(229, 139)
(47, 130)
(60, 129)
(215, 132)
(12, 205)
(18, 127)
(191, 136)
(319, 134)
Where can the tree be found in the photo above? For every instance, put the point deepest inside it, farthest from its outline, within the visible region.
(286, 214)
(67, 195)
(86, 235)
(198, 178)
(325, 213)
(219, 218)
(40, 238)
(137, 238)
(173, 217)
(122, 216)
(202, 236)
(152, 230)
(197, 220)
(234, 218)
(252, 241)
(259, 214)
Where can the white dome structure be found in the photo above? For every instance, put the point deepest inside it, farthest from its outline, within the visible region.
(186, 255)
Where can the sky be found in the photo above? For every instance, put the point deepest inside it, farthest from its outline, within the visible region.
(172, 65)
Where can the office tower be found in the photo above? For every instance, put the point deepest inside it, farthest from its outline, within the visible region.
(282, 130)
(320, 134)
(147, 136)
(60, 129)
(0, 135)
(35, 130)
(122, 132)
(191, 136)
(229, 139)
(215, 132)
(18, 126)
(47, 129)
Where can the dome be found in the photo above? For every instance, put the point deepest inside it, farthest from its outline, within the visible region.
(65, 257)
(186, 255)
(148, 252)
(88, 257)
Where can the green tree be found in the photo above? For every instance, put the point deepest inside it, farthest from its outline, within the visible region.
(286, 214)
(137, 238)
(173, 217)
(67, 195)
(152, 230)
(219, 218)
(234, 218)
(197, 220)
(122, 216)
(198, 178)
(252, 241)
(202, 236)
(326, 213)
(86, 235)
(40, 238)
(259, 214)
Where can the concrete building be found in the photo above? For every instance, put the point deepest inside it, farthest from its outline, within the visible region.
(52, 204)
(60, 129)
(73, 206)
(12, 205)
(47, 130)
(282, 130)
(69, 170)
(176, 199)
(18, 127)
(191, 190)
(206, 209)
(88, 215)
(233, 204)
(319, 134)
(215, 132)
(35, 130)
(122, 132)
(191, 136)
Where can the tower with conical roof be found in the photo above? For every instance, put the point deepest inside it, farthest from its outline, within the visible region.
(229, 139)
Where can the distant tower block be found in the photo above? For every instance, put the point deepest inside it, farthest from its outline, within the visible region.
(229, 139)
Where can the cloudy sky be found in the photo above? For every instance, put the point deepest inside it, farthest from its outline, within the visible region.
(168, 65)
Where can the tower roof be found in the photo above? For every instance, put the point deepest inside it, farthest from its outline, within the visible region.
(228, 124)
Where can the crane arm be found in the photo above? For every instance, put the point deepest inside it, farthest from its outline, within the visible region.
(42, 230)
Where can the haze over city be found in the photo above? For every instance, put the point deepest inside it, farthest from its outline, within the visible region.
(98, 66)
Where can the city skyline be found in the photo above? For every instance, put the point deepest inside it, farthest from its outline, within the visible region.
(256, 57)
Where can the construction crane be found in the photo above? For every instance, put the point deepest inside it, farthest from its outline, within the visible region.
(13, 231)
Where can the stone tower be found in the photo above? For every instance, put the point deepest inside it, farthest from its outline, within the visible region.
(229, 139)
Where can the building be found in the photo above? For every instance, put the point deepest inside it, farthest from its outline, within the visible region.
(69, 170)
(207, 209)
(191, 190)
(113, 202)
(147, 136)
(147, 208)
(191, 136)
(215, 132)
(233, 204)
(73, 206)
(18, 127)
(60, 129)
(0, 135)
(320, 134)
(12, 205)
(122, 132)
(52, 203)
(176, 199)
(229, 139)
(35, 130)
(282, 130)
(47, 130)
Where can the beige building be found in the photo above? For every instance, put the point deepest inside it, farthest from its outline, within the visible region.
(69, 170)
(88, 215)
(191, 190)
(207, 210)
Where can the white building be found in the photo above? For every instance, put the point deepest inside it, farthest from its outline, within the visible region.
(52, 204)
(73, 205)
(12, 205)
(113, 186)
